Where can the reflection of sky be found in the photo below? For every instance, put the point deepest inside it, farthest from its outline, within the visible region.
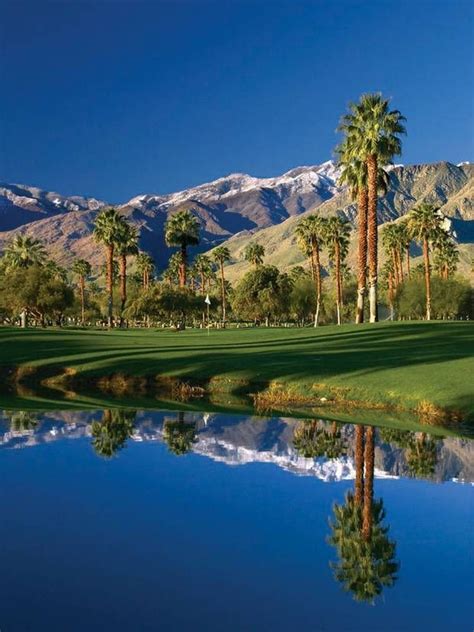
(151, 541)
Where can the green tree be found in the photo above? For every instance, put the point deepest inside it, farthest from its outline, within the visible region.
(336, 235)
(21, 420)
(108, 226)
(422, 456)
(182, 230)
(221, 255)
(425, 226)
(310, 233)
(262, 294)
(372, 135)
(254, 254)
(446, 255)
(82, 269)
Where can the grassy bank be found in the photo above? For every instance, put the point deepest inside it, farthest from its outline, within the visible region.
(410, 366)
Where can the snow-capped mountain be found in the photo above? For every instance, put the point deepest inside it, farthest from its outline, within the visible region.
(226, 206)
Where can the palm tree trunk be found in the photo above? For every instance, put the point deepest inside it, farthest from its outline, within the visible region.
(395, 267)
(110, 283)
(426, 257)
(223, 293)
(182, 266)
(390, 294)
(82, 289)
(319, 285)
(368, 484)
(400, 266)
(372, 236)
(407, 254)
(359, 465)
(362, 254)
(123, 285)
(338, 282)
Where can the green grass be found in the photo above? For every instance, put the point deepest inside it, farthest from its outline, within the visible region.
(394, 364)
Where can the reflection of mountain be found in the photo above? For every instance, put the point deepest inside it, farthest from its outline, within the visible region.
(237, 440)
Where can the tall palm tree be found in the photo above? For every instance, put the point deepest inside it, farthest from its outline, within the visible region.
(336, 235)
(108, 225)
(422, 456)
(391, 240)
(145, 266)
(221, 255)
(24, 251)
(82, 269)
(254, 254)
(388, 277)
(182, 230)
(354, 174)
(369, 454)
(372, 135)
(310, 237)
(127, 244)
(425, 225)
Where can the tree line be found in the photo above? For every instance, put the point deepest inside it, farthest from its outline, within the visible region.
(196, 289)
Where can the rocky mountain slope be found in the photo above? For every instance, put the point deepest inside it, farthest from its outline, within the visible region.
(239, 440)
(449, 186)
(225, 207)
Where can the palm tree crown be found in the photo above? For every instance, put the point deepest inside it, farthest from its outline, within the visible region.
(254, 253)
(182, 229)
(24, 251)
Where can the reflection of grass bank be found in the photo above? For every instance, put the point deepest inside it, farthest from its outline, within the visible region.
(424, 367)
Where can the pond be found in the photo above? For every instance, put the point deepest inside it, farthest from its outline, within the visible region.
(155, 520)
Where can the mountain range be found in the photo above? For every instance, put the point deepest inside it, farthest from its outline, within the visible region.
(238, 209)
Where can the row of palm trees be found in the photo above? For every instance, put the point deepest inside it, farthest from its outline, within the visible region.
(312, 234)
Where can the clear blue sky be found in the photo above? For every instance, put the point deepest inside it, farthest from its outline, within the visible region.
(113, 99)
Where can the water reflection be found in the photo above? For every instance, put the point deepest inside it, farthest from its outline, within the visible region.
(365, 561)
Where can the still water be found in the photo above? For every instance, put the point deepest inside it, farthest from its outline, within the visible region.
(184, 521)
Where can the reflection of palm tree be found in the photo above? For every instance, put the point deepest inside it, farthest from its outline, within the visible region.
(112, 432)
(312, 440)
(400, 438)
(365, 567)
(21, 420)
(366, 555)
(179, 435)
(422, 456)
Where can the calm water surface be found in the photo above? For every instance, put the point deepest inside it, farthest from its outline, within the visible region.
(169, 521)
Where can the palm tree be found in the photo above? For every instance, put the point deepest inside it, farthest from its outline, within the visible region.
(55, 271)
(446, 255)
(111, 433)
(127, 244)
(221, 255)
(388, 278)
(310, 237)
(372, 136)
(254, 253)
(21, 420)
(391, 243)
(367, 513)
(336, 235)
(425, 226)
(203, 267)
(145, 266)
(24, 251)
(182, 229)
(108, 225)
(82, 269)
(354, 174)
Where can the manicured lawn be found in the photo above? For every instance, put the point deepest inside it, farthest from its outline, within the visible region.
(392, 363)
